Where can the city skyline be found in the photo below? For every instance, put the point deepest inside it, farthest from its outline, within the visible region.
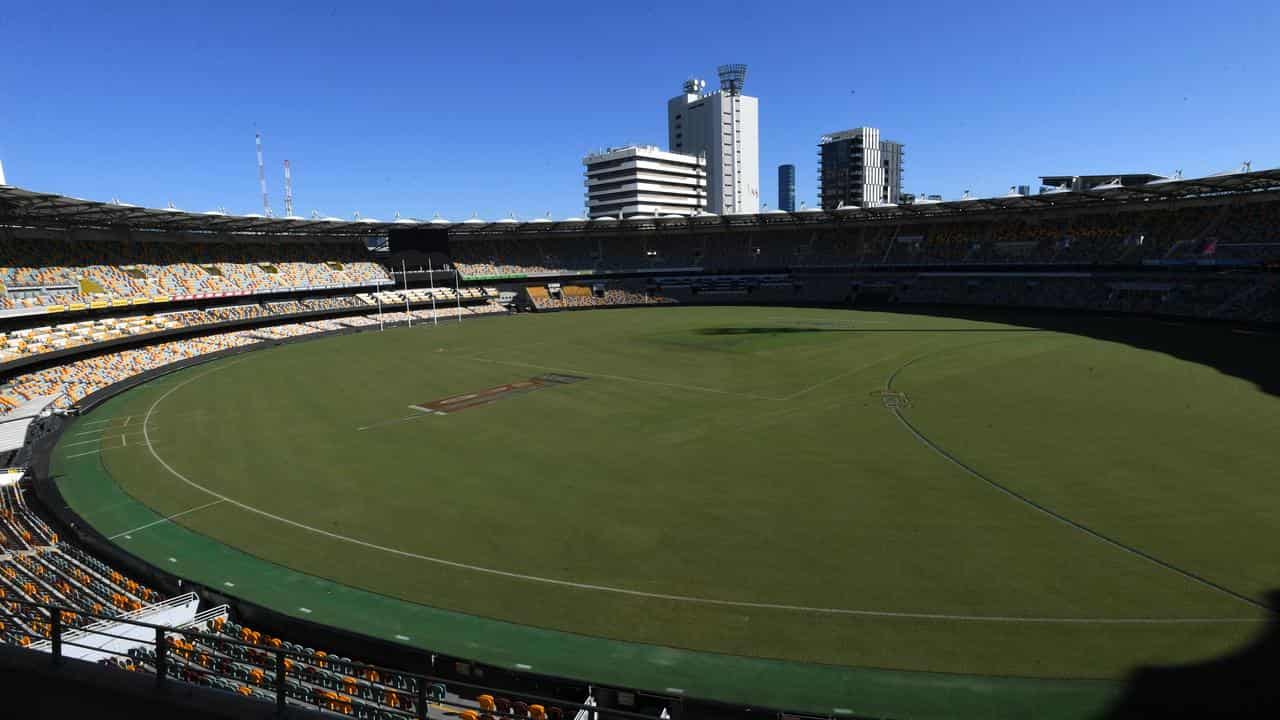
(399, 126)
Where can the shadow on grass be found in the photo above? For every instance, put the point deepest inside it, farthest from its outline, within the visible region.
(777, 330)
(1248, 353)
(1242, 684)
(790, 330)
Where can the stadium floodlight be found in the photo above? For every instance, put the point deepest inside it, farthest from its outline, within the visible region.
(457, 293)
(404, 276)
(431, 278)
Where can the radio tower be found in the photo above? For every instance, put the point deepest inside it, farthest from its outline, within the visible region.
(262, 177)
(288, 191)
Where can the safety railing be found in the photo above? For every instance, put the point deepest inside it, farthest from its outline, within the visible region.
(272, 670)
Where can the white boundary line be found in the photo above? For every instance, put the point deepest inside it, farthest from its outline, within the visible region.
(833, 378)
(166, 519)
(100, 438)
(93, 452)
(642, 593)
(104, 420)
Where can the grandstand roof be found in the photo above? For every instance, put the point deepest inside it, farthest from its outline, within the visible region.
(13, 429)
(1126, 178)
(19, 207)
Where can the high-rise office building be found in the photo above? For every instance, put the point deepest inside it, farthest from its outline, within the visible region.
(722, 127)
(857, 168)
(787, 188)
(643, 180)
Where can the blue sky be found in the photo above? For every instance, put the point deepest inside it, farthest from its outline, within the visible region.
(487, 108)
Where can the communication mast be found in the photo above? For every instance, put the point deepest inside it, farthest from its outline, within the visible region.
(262, 177)
(288, 190)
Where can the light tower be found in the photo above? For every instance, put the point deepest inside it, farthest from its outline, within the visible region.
(732, 78)
(288, 191)
(262, 177)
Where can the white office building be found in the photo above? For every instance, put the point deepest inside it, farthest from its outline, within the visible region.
(643, 180)
(723, 127)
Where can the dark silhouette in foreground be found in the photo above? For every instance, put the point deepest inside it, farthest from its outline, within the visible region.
(1243, 684)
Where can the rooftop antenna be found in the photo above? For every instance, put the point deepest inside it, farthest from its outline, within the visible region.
(694, 86)
(2, 180)
(262, 176)
(288, 190)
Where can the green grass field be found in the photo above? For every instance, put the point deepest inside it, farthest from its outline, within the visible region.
(732, 481)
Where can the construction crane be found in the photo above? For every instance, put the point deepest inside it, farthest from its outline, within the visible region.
(262, 177)
(288, 191)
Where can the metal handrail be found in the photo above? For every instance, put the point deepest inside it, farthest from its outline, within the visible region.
(420, 682)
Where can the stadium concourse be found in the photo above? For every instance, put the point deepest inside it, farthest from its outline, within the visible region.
(94, 294)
